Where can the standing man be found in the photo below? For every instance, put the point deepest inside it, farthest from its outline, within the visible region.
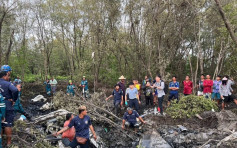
(226, 92)
(53, 82)
(207, 87)
(82, 124)
(10, 93)
(149, 94)
(118, 98)
(122, 85)
(216, 89)
(160, 86)
(47, 87)
(138, 87)
(85, 88)
(174, 87)
(188, 86)
(200, 85)
(132, 96)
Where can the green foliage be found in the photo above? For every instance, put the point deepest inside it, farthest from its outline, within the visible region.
(62, 78)
(29, 78)
(188, 106)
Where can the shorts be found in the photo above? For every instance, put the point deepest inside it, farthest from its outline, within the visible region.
(229, 98)
(9, 119)
(216, 96)
(175, 96)
(200, 93)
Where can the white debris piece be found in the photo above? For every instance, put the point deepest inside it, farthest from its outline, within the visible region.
(60, 112)
(22, 118)
(46, 106)
(39, 98)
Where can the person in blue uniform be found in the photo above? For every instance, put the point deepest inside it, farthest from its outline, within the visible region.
(2, 115)
(47, 87)
(17, 81)
(70, 88)
(18, 106)
(10, 94)
(82, 124)
(85, 89)
(118, 98)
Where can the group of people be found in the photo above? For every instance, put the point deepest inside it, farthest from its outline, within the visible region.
(76, 129)
(84, 85)
(10, 93)
(155, 91)
(51, 86)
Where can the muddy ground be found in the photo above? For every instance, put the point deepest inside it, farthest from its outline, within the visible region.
(200, 131)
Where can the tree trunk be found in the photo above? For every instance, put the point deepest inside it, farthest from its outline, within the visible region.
(9, 48)
(226, 21)
(1, 24)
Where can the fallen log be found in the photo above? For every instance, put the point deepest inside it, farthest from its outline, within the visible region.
(233, 136)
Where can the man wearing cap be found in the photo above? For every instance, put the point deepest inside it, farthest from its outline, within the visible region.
(10, 93)
(82, 124)
(131, 95)
(122, 86)
(84, 85)
(70, 88)
(226, 92)
(118, 98)
(130, 118)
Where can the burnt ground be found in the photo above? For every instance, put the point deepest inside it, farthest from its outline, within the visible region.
(114, 138)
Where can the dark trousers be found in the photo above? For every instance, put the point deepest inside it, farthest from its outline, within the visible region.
(116, 106)
(66, 142)
(160, 101)
(149, 100)
(175, 96)
(74, 144)
(133, 103)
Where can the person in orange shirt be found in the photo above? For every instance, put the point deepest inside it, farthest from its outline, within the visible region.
(68, 135)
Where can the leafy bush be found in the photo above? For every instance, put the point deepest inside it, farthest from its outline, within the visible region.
(188, 106)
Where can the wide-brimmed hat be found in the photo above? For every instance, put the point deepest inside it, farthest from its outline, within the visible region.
(122, 78)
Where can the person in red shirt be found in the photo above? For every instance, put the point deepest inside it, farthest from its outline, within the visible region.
(188, 86)
(68, 135)
(207, 86)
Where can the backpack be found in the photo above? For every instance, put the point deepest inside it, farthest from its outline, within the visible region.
(166, 87)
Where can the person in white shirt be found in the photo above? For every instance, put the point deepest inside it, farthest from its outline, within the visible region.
(53, 82)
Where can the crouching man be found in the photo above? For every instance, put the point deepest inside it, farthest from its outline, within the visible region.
(130, 119)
